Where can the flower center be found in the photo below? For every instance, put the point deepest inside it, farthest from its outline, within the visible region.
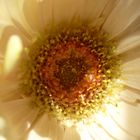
(70, 71)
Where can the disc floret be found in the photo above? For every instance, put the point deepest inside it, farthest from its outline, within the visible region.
(70, 71)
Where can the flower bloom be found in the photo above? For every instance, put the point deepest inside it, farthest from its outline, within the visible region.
(70, 69)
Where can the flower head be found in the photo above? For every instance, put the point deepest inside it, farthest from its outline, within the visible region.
(68, 75)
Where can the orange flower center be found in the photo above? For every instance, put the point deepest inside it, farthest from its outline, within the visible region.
(70, 72)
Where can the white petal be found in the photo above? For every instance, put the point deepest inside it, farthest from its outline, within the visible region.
(112, 128)
(132, 30)
(20, 114)
(13, 52)
(131, 73)
(130, 55)
(1, 66)
(130, 95)
(127, 117)
(11, 92)
(98, 133)
(15, 11)
(4, 17)
(9, 86)
(52, 12)
(34, 17)
(122, 16)
(11, 31)
(2, 123)
(34, 136)
(68, 9)
(2, 138)
(71, 134)
(128, 43)
(85, 133)
(48, 127)
(4, 13)
(94, 8)
(3, 25)
(47, 12)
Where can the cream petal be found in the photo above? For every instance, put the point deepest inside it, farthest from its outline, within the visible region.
(71, 134)
(1, 65)
(9, 93)
(98, 7)
(50, 12)
(35, 16)
(82, 9)
(124, 14)
(15, 11)
(53, 12)
(131, 73)
(128, 43)
(130, 55)
(13, 53)
(2, 138)
(127, 117)
(20, 114)
(4, 13)
(44, 12)
(34, 136)
(68, 9)
(130, 95)
(10, 31)
(112, 128)
(48, 127)
(85, 133)
(3, 25)
(98, 133)
(132, 30)
(4, 17)
(9, 86)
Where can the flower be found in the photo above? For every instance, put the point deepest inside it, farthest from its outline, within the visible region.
(61, 75)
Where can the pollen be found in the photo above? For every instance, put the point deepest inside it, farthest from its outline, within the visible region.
(71, 71)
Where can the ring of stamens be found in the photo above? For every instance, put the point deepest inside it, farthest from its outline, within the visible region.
(69, 73)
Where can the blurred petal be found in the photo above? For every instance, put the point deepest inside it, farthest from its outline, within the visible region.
(124, 14)
(4, 17)
(21, 113)
(2, 138)
(48, 127)
(13, 52)
(11, 31)
(130, 95)
(126, 117)
(10, 92)
(15, 11)
(84, 133)
(112, 128)
(98, 133)
(34, 136)
(51, 12)
(131, 73)
(71, 133)
(46, 12)
(128, 43)
(34, 18)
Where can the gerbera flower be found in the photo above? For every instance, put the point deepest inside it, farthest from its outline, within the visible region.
(70, 69)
